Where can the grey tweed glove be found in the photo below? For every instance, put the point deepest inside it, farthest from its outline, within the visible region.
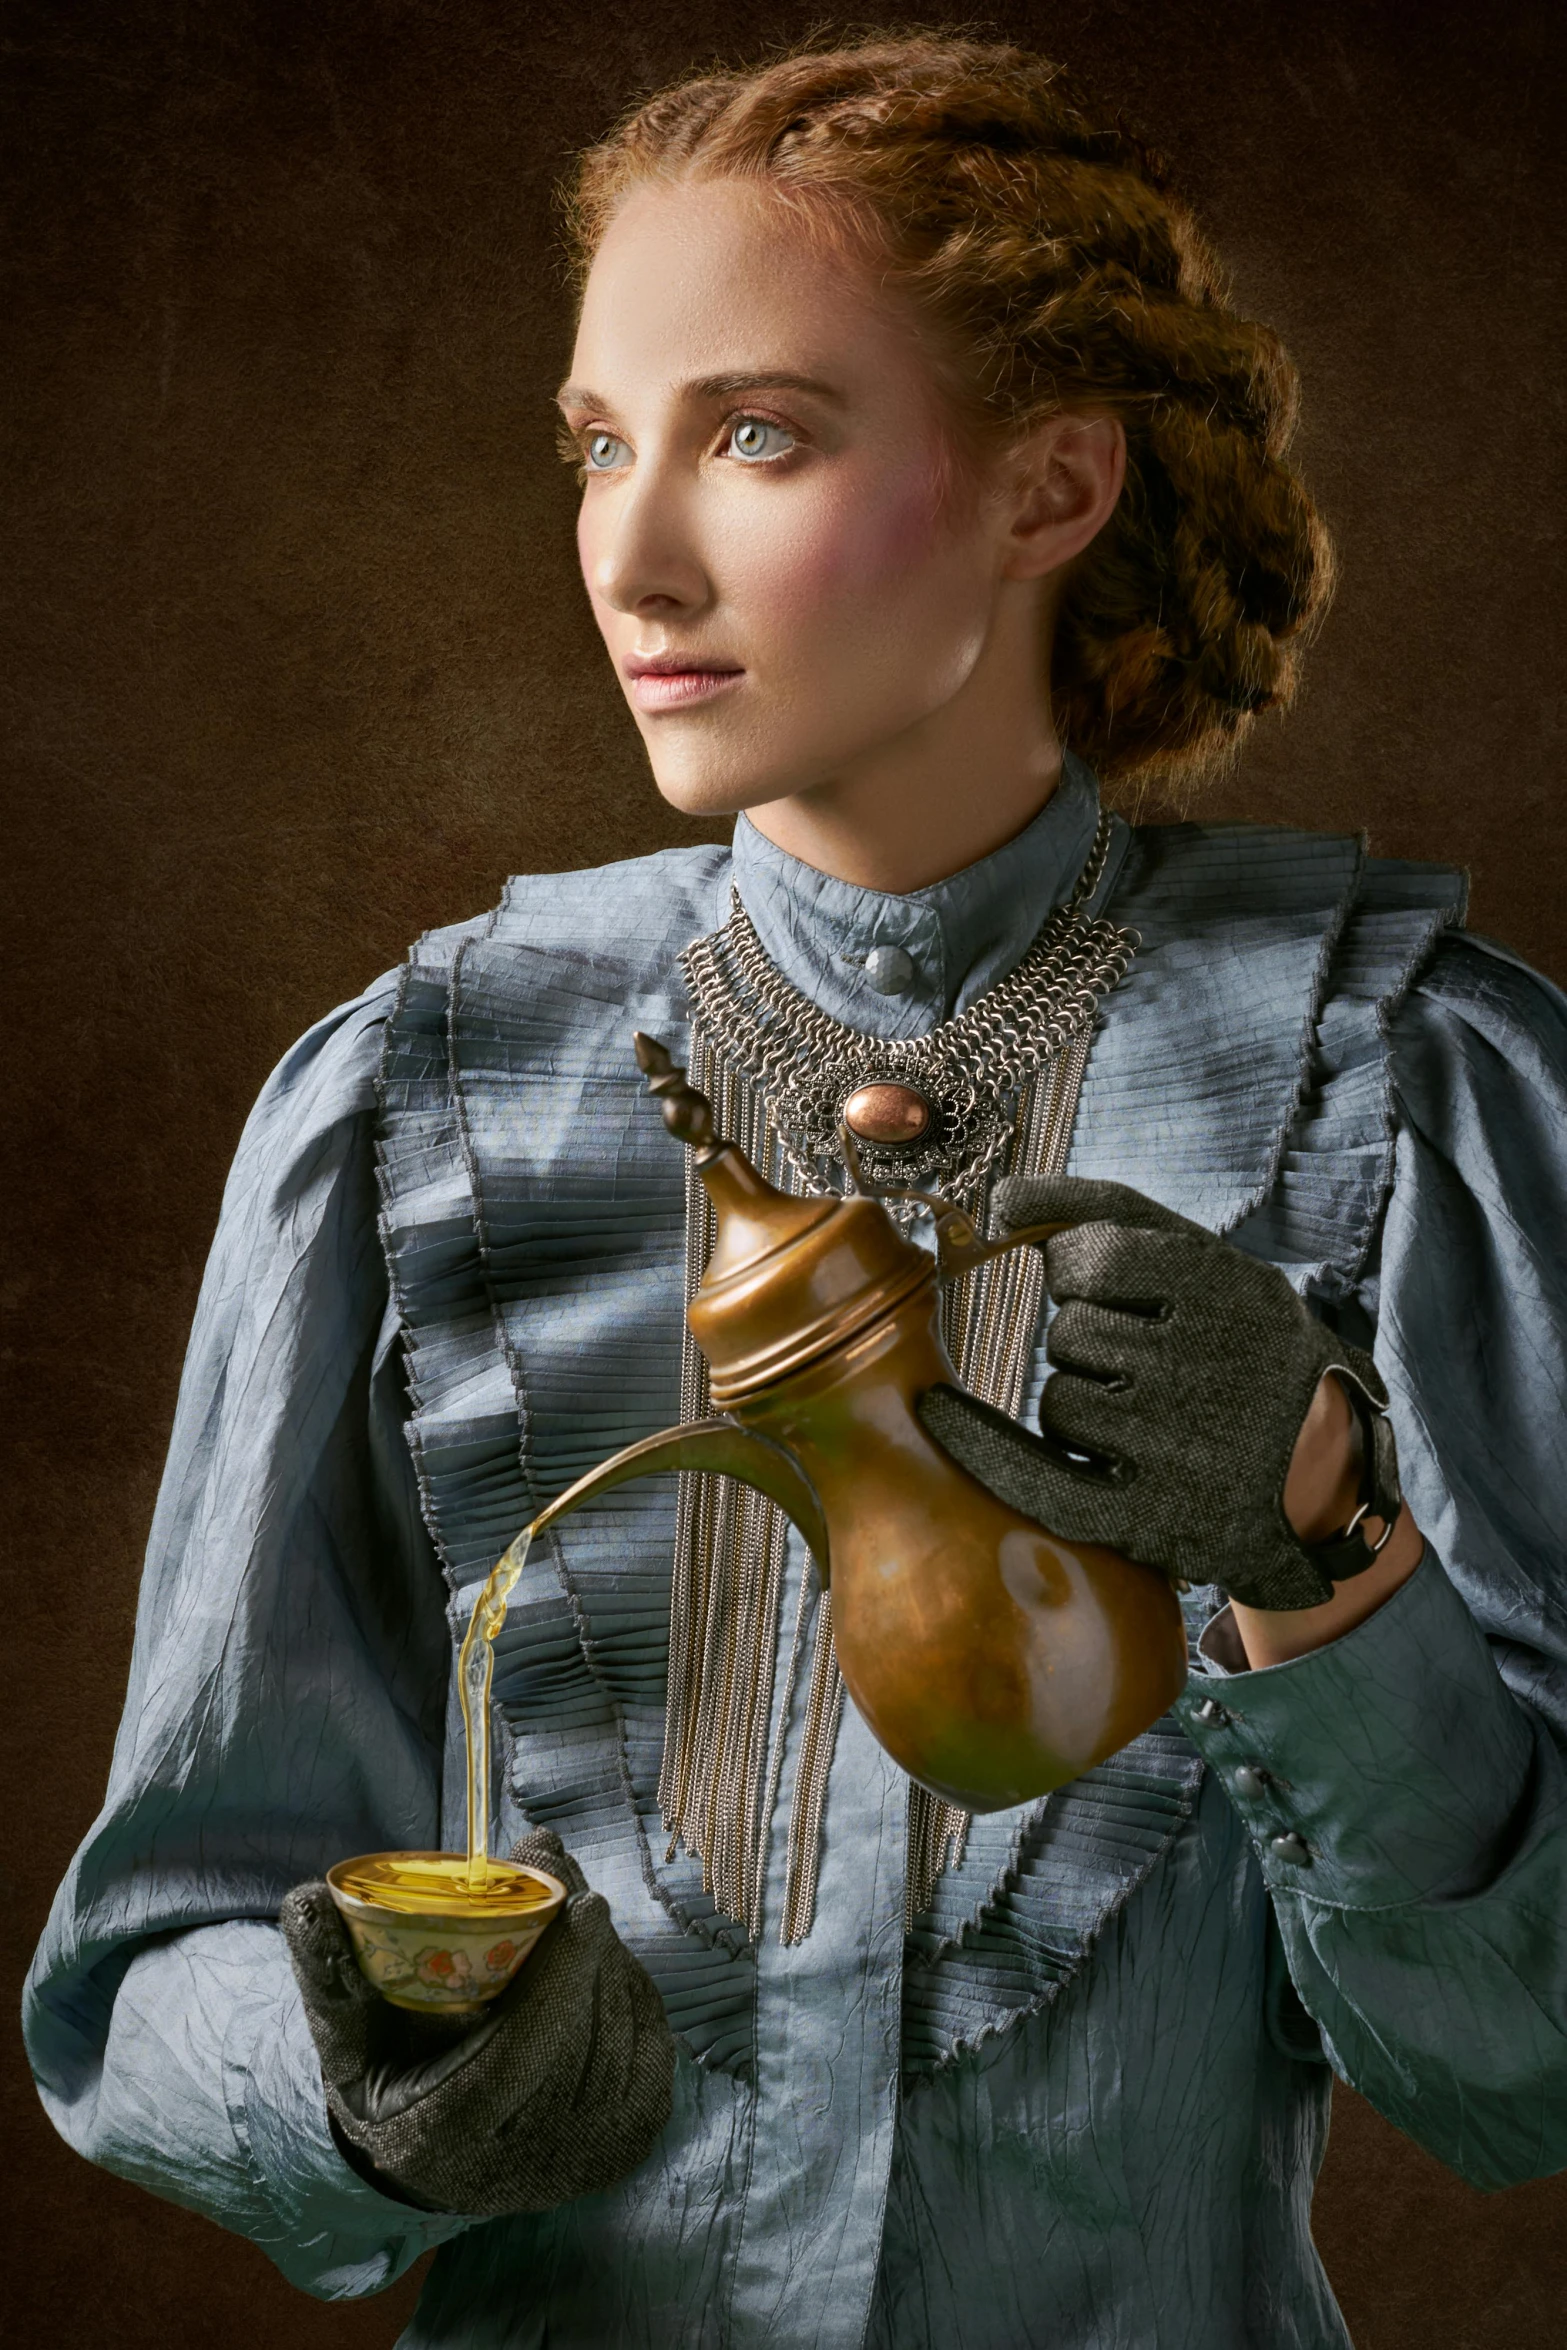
(1185, 1369)
(559, 2090)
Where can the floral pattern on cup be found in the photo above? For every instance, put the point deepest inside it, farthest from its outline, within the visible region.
(443, 1961)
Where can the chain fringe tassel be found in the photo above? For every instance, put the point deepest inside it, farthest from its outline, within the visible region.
(719, 1781)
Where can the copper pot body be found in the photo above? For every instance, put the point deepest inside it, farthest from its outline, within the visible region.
(991, 1659)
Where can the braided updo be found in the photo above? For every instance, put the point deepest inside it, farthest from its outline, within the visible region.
(1057, 272)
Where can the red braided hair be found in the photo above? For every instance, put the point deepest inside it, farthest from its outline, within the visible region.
(1058, 272)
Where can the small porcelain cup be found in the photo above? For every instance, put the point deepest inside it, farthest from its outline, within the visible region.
(448, 1959)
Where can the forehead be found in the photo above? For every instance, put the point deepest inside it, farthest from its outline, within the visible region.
(717, 277)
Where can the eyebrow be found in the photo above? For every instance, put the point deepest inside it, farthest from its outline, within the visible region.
(715, 387)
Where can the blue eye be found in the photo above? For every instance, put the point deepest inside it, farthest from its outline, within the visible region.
(603, 453)
(754, 439)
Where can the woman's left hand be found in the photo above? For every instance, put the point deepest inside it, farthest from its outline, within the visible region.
(1186, 1371)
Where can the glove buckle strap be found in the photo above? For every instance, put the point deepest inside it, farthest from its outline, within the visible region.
(1349, 1552)
(1367, 1510)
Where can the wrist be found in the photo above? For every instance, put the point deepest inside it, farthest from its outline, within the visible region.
(1322, 1486)
(1272, 1636)
(1341, 1469)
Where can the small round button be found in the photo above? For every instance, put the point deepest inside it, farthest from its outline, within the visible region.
(889, 970)
(1292, 1848)
(1213, 1714)
(1251, 1781)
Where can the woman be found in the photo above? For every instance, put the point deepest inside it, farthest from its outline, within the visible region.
(925, 471)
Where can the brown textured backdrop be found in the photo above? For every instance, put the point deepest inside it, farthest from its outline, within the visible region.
(297, 667)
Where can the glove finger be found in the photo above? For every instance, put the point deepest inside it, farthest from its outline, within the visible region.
(319, 1947)
(586, 1924)
(1076, 1199)
(1005, 1458)
(340, 2005)
(611, 2053)
(541, 1848)
(1022, 1470)
(635, 2058)
(563, 1962)
(1106, 1343)
(1141, 1272)
(653, 2063)
(1091, 1418)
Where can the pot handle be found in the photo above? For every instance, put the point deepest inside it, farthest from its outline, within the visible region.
(722, 1447)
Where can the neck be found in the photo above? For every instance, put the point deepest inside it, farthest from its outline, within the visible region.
(951, 789)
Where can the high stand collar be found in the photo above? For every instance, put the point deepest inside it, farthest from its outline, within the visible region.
(898, 965)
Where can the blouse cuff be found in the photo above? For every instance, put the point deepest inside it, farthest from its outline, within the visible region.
(1380, 1769)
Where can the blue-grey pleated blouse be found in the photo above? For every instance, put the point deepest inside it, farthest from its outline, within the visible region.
(1082, 2102)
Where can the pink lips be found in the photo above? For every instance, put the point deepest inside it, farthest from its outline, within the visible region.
(668, 683)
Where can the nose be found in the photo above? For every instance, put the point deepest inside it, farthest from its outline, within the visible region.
(639, 545)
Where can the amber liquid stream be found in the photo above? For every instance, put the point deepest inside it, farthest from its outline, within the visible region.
(437, 1883)
(475, 1669)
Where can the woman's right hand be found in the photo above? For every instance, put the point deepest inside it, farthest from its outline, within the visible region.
(560, 2089)
(1184, 1373)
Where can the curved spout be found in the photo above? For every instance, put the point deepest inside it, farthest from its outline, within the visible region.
(722, 1447)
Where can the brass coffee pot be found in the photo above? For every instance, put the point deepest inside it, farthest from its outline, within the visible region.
(991, 1659)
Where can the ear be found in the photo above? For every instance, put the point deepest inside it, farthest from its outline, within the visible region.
(1068, 477)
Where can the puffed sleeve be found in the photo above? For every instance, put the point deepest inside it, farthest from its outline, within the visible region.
(1405, 1784)
(285, 1708)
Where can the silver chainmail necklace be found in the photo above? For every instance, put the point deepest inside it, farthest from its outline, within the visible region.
(958, 1086)
(998, 1083)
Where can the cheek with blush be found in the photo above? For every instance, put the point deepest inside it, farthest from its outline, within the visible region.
(908, 527)
(859, 557)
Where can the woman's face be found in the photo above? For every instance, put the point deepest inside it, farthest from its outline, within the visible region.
(786, 572)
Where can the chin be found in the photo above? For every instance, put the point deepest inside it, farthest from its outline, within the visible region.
(715, 788)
